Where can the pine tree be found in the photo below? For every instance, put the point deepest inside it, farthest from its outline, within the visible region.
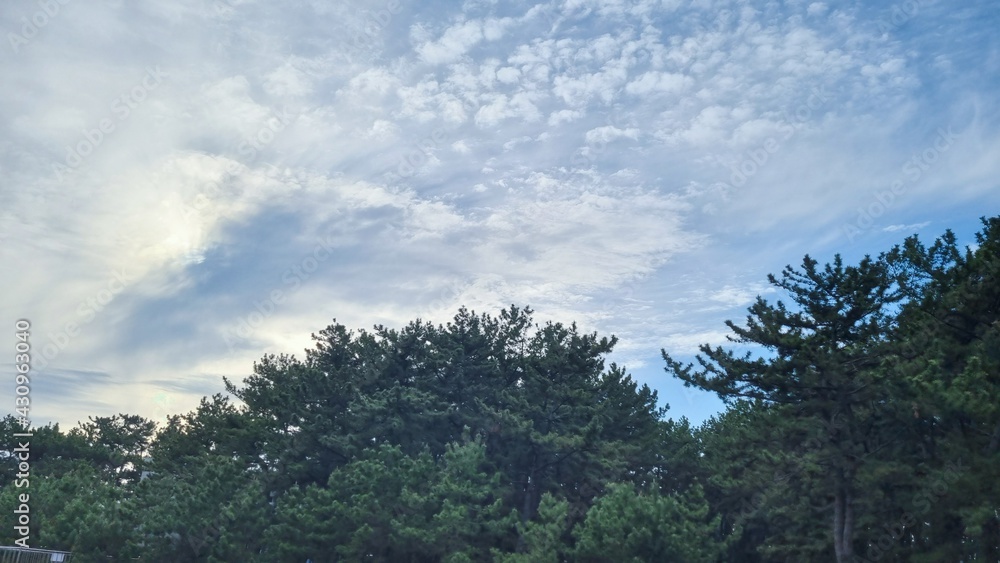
(820, 363)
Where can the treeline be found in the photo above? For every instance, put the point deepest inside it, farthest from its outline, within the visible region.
(863, 424)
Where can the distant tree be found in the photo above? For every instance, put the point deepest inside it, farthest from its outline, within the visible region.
(628, 527)
(52, 451)
(215, 427)
(75, 511)
(550, 416)
(212, 509)
(116, 445)
(388, 506)
(545, 539)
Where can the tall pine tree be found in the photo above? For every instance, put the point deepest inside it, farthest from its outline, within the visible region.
(818, 359)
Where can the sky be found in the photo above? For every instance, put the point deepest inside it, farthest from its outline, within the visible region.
(186, 186)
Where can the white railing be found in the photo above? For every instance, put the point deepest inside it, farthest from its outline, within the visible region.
(29, 555)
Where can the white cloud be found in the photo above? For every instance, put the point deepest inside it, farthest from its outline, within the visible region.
(689, 343)
(908, 228)
(564, 116)
(383, 130)
(656, 81)
(735, 296)
(454, 43)
(458, 39)
(816, 9)
(508, 75)
(500, 107)
(294, 78)
(610, 133)
(374, 82)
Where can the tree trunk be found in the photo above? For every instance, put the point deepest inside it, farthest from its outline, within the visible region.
(527, 509)
(994, 440)
(843, 521)
(838, 527)
(848, 526)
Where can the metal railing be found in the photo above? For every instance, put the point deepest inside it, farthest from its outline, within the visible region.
(29, 555)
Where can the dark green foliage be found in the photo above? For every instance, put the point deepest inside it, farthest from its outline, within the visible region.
(211, 510)
(875, 405)
(625, 527)
(947, 355)
(550, 416)
(77, 510)
(544, 539)
(393, 507)
(116, 445)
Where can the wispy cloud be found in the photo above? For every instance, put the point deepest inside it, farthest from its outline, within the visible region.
(907, 228)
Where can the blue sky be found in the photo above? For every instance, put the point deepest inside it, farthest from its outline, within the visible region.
(189, 185)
